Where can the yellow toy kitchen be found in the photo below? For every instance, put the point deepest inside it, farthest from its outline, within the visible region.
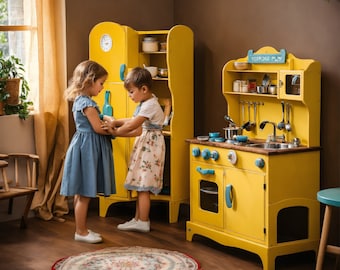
(253, 184)
(169, 54)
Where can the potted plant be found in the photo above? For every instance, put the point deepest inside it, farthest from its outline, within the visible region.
(3, 97)
(14, 87)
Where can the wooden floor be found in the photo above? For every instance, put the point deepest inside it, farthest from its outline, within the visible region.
(44, 242)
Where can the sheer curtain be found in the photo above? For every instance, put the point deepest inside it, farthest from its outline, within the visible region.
(51, 122)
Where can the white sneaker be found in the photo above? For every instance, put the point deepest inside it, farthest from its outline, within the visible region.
(89, 238)
(133, 225)
(94, 233)
(142, 226)
(125, 226)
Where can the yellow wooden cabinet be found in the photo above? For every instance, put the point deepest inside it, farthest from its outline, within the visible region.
(119, 48)
(262, 200)
(270, 211)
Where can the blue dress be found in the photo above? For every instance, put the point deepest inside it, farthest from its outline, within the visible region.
(88, 166)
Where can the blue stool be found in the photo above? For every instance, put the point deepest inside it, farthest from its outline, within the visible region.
(331, 198)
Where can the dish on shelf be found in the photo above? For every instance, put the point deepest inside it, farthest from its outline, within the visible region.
(202, 138)
(214, 134)
(241, 65)
(219, 139)
(153, 70)
(163, 72)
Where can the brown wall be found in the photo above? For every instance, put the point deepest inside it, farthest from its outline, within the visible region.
(82, 15)
(226, 30)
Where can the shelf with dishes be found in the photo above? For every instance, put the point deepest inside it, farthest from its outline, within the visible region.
(291, 80)
(246, 82)
(267, 95)
(160, 78)
(282, 84)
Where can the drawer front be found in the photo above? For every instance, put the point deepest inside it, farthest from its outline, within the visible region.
(225, 157)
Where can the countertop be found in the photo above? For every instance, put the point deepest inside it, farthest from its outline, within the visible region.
(264, 151)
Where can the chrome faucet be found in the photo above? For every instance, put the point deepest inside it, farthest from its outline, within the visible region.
(270, 138)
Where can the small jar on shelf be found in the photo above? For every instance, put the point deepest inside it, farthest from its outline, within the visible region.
(150, 44)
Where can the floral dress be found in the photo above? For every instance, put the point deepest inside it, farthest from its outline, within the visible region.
(146, 166)
(88, 166)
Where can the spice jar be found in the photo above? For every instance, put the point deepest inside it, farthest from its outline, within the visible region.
(150, 44)
(244, 86)
(236, 85)
(163, 46)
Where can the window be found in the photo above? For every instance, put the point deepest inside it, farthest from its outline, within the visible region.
(18, 36)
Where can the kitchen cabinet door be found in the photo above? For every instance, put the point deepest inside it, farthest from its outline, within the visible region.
(245, 204)
(206, 193)
(114, 46)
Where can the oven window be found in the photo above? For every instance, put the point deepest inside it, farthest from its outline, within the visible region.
(209, 196)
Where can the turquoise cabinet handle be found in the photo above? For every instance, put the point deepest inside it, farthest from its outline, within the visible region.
(205, 171)
(228, 195)
(196, 152)
(259, 162)
(122, 72)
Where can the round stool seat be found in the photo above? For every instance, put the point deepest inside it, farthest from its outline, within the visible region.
(3, 164)
(330, 196)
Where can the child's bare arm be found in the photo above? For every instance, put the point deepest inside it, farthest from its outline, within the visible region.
(93, 117)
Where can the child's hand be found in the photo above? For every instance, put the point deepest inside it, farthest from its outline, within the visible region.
(114, 124)
(107, 118)
(106, 126)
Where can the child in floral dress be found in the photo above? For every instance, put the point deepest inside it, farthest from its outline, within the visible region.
(145, 171)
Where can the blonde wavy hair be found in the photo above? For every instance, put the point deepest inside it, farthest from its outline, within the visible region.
(84, 75)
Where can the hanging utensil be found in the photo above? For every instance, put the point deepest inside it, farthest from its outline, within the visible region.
(288, 125)
(281, 125)
(229, 121)
(255, 112)
(249, 124)
(242, 112)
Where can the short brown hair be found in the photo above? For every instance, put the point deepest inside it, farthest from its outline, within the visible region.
(138, 77)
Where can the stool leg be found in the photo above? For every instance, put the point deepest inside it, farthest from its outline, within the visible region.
(4, 178)
(324, 237)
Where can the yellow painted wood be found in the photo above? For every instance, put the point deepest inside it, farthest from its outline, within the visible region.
(258, 197)
(288, 181)
(305, 114)
(178, 87)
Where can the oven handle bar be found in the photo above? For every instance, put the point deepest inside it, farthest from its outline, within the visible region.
(229, 195)
(205, 171)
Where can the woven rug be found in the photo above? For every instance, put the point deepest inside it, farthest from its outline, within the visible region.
(128, 258)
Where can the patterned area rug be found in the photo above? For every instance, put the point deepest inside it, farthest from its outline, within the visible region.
(128, 258)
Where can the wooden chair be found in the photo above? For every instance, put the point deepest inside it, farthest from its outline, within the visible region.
(24, 183)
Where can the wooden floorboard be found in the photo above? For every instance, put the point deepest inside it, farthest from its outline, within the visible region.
(44, 242)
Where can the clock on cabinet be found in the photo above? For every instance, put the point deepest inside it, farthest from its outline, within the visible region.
(106, 42)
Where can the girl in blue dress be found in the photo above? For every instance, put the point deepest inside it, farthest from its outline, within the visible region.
(88, 167)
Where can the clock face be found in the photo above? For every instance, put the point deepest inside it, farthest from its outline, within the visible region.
(106, 42)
